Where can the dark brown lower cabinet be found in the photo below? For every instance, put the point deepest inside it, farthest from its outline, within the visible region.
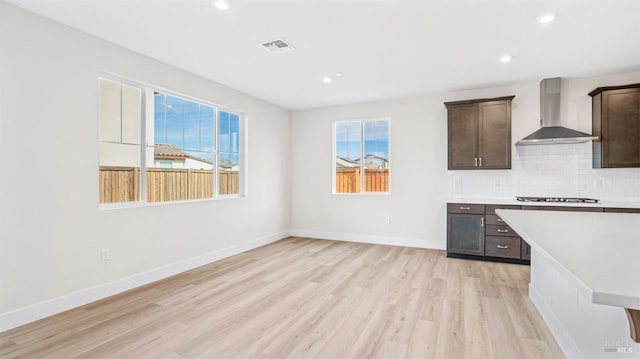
(465, 229)
(501, 240)
(475, 231)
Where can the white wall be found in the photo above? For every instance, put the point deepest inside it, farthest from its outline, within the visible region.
(421, 183)
(418, 181)
(51, 228)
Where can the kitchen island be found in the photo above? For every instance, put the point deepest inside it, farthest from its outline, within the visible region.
(585, 270)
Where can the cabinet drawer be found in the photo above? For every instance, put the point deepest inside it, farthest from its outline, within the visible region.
(491, 208)
(494, 219)
(505, 247)
(500, 231)
(465, 208)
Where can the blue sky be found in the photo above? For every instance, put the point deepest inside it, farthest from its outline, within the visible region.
(189, 126)
(376, 138)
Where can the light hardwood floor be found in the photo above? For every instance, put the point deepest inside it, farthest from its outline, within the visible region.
(307, 298)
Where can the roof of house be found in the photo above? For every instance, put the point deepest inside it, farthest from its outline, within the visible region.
(370, 162)
(225, 163)
(342, 162)
(168, 151)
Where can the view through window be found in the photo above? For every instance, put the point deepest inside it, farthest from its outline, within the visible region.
(191, 149)
(362, 156)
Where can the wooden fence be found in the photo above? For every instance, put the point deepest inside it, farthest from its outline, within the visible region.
(122, 184)
(375, 180)
(119, 184)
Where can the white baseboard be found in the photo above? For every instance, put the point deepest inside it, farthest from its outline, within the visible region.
(567, 345)
(365, 238)
(57, 305)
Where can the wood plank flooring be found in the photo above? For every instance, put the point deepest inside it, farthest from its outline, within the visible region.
(307, 298)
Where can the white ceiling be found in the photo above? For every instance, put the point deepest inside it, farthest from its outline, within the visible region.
(385, 48)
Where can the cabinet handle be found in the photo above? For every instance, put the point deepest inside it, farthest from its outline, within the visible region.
(480, 161)
(475, 162)
(481, 222)
(502, 230)
(499, 220)
(503, 247)
(465, 208)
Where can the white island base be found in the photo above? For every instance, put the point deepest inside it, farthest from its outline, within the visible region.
(573, 274)
(581, 328)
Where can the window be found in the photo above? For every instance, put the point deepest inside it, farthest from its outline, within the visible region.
(355, 172)
(157, 146)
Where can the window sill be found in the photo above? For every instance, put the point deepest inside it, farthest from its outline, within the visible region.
(123, 205)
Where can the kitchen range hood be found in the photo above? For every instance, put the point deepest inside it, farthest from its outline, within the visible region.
(550, 131)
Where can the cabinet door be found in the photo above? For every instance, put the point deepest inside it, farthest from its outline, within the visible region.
(621, 128)
(465, 233)
(494, 135)
(462, 138)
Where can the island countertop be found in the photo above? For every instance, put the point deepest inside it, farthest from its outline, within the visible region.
(600, 250)
(513, 201)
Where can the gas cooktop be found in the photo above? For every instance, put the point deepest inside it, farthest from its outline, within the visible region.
(557, 199)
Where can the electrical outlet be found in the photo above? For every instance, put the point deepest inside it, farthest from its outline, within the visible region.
(105, 255)
(387, 219)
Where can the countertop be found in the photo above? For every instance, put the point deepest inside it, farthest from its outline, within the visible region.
(601, 250)
(513, 201)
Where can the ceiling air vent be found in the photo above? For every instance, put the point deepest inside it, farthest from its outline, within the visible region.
(278, 45)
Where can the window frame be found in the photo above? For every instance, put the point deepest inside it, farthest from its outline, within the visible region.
(147, 91)
(361, 122)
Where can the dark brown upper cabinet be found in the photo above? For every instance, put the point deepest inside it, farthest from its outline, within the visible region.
(479, 134)
(616, 122)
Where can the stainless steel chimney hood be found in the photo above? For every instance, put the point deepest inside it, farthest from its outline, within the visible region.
(550, 131)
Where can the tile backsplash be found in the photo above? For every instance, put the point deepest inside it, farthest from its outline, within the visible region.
(562, 170)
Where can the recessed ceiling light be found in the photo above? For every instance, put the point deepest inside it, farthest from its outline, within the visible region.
(222, 4)
(339, 74)
(505, 59)
(326, 79)
(546, 18)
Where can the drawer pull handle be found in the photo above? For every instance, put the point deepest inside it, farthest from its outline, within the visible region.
(502, 230)
(500, 220)
(465, 208)
(503, 247)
